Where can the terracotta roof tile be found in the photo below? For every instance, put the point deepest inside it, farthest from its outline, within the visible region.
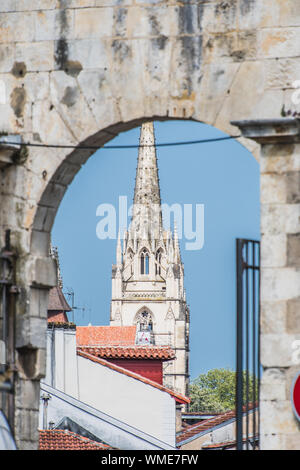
(105, 335)
(57, 317)
(205, 425)
(219, 445)
(60, 439)
(130, 352)
(57, 300)
(178, 397)
(61, 324)
(200, 413)
(229, 444)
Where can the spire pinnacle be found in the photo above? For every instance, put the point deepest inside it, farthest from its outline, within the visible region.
(119, 251)
(176, 245)
(147, 219)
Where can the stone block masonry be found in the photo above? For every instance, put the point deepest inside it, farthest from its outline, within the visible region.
(81, 71)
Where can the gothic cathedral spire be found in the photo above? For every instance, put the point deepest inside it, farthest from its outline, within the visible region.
(147, 279)
(146, 221)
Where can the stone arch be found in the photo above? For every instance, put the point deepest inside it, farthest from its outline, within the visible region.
(42, 215)
(144, 248)
(35, 259)
(144, 261)
(102, 69)
(143, 316)
(158, 259)
(130, 260)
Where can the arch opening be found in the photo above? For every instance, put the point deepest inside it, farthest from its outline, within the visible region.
(202, 282)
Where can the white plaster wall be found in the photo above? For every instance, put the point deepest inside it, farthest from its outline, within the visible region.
(140, 405)
(48, 377)
(131, 401)
(110, 430)
(71, 373)
(61, 362)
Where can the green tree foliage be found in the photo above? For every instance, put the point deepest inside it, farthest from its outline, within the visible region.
(214, 392)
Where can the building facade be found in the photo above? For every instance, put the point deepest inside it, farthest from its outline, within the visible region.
(148, 277)
(84, 388)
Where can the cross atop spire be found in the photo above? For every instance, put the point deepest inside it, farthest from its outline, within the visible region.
(146, 221)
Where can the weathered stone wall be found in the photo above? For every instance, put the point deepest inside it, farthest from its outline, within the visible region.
(280, 299)
(280, 276)
(80, 71)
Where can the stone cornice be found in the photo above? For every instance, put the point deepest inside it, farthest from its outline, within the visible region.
(270, 131)
(9, 153)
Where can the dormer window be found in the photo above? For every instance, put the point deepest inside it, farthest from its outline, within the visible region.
(144, 262)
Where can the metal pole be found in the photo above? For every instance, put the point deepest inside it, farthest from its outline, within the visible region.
(72, 295)
(258, 349)
(239, 344)
(254, 354)
(247, 345)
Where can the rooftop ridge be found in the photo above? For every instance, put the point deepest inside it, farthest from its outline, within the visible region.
(130, 352)
(134, 375)
(209, 423)
(126, 346)
(60, 439)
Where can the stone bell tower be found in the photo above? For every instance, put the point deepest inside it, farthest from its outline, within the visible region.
(147, 279)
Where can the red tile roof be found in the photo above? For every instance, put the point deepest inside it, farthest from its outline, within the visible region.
(105, 335)
(200, 413)
(60, 439)
(57, 300)
(206, 425)
(57, 317)
(130, 352)
(220, 445)
(178, 397)
(229, 444)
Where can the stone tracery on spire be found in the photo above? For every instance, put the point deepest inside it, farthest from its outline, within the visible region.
(146, 223)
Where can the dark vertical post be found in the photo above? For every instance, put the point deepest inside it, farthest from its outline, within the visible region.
(254, 347)
(248, 341)
(258, 351)
(239, 345)
(7, 336)
(246, 266)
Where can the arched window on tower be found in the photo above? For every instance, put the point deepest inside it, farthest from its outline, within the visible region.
(158, 257)
(144, 262)
(144, 322)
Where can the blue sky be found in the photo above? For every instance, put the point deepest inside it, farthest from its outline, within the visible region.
(223, 176)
